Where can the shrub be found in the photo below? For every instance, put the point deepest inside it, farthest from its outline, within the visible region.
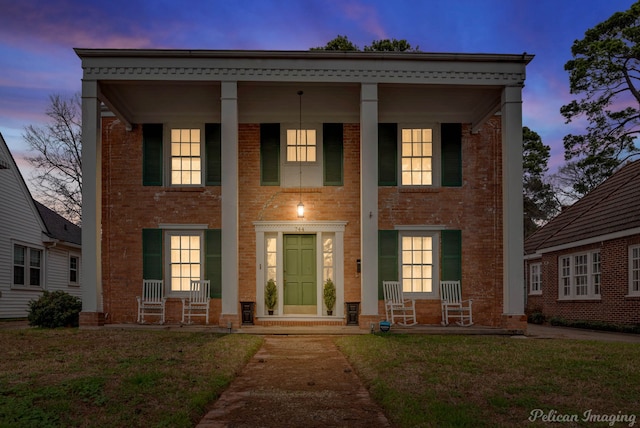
(55, 309)
(329, 294)
(536, 318)
(557, 321)
(271, 295)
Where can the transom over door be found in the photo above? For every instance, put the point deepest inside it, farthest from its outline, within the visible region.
(300, 295)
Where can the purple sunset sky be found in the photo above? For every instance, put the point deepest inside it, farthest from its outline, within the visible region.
(37, 40)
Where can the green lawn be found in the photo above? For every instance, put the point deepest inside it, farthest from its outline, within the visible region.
(115, 378)
(121, 378)
(473, 381)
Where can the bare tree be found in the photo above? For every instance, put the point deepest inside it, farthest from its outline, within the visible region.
(58, 161)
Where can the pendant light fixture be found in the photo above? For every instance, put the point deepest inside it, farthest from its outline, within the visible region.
(300, 208)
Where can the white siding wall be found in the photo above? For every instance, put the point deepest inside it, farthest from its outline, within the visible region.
(19, 221)
(58, 271)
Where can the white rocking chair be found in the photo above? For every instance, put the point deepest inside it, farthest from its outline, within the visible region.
(452, 304)
(396, 306)
(152, 300)
(197, 304)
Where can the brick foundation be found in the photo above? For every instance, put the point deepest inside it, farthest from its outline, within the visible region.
(91, 319)
(514, 322)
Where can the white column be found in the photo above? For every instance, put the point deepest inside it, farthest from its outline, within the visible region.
(91, 263)
(229, 119)
(369, 197)
(513, 240)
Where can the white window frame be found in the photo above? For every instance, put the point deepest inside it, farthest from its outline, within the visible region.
(271, 261)
(634, 271)
(435, 153)
(168, 264)
(435, 265)
(312, 172)
(328, 258)
(535, 278)
(75, 283)
(297, 146)
(27, 268)
(169, 127)
(572, 274)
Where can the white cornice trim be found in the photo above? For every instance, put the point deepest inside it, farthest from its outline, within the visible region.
(299, 226)
(314, 54)
(274, 66)
(290, 74)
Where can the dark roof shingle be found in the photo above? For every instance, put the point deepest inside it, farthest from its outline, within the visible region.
(59, 227)
(613, 206)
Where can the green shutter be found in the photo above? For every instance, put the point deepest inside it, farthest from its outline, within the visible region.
(387, 154)
(332, 153)
(451, 255)
(152, 253)
(451, 149)
(387, 258)
(213, 260)
(270, 154)
(152, 154)
(212, 141)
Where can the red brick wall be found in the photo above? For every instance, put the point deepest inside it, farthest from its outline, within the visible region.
(476, 209)
(266, 203)
(613, 306)
(128, 207)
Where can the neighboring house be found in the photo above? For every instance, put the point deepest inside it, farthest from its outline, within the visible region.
(585, 263)
(39, 250)
(408, 166)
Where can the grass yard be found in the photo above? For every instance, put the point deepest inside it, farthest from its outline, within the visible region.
(473, 381)
(121, 378)
(115, 378)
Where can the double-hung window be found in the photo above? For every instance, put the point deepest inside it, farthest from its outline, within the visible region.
(181, 156)
(535, 278)
(420, 155)
(27, 266)
(417, 255)
(74, 270)
(579, 276)
(417, 156)
(186, 157)
(186, 259)
(634, 270)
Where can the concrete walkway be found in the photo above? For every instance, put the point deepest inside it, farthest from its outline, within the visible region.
(296, 381)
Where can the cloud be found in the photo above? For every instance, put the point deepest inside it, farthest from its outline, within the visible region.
(365, 16)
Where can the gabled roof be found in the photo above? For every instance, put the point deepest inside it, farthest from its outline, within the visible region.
(612, 207)
(52, 224)
(59, 227)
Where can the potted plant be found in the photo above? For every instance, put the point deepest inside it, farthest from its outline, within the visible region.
(271, 296)
(329, 296)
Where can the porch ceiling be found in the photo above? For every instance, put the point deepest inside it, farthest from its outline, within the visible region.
(153, 101)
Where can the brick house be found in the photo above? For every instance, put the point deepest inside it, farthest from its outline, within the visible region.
(408, 166)
(584, 265)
